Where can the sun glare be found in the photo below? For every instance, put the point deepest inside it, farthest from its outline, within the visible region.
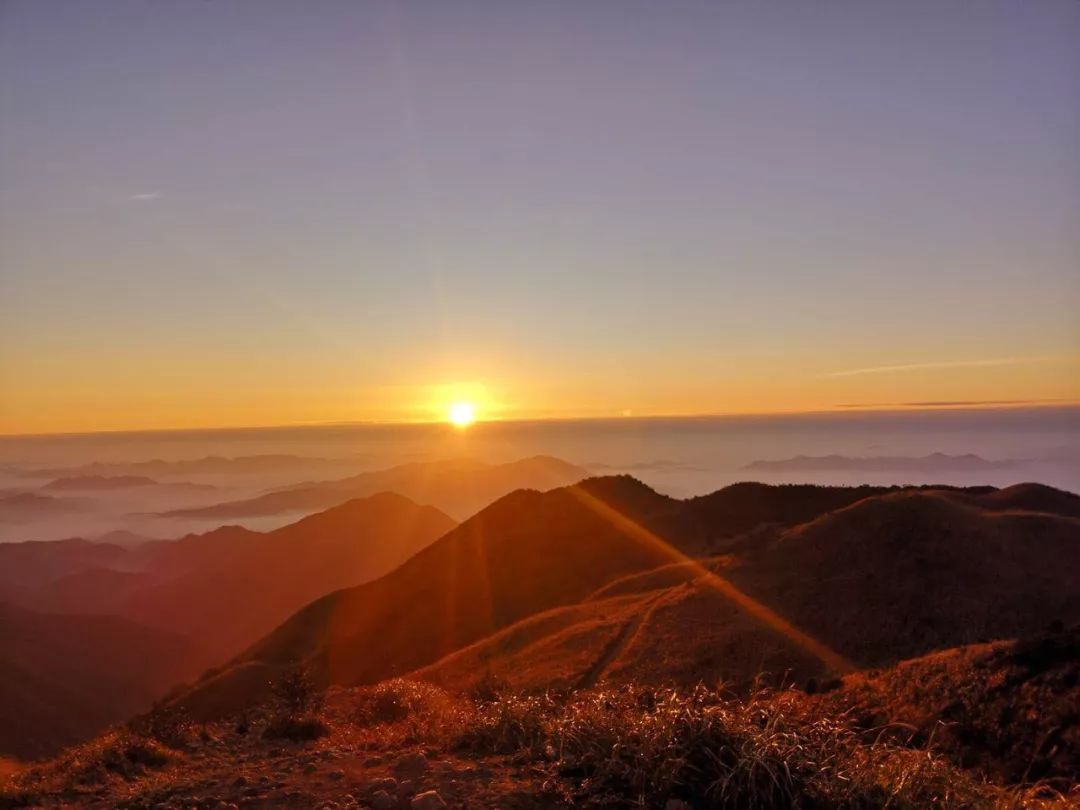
(462, 414)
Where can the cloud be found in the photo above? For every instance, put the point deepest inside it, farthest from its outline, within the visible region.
(958, 403)
(1001, 361)
(146, 196)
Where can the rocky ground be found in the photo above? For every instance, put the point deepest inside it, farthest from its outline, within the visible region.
(229, 765)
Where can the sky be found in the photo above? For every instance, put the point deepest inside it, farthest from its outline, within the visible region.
(251, 213)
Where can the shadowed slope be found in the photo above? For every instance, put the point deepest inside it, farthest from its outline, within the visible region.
(1011, 708)
(228, 587)
(884, 579)
(64, 678)
(899, 575)
(525, 553)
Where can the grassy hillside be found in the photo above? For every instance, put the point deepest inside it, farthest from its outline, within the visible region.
(598, 578)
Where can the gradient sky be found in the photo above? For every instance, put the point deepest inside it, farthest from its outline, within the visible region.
(227, 213)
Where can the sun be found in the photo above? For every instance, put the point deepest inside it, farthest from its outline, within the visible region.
(462, 414)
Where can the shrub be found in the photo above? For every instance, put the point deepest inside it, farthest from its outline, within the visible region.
(489, 688)
(510, 724)
(167, 725)
(415, 709)
(296, 691)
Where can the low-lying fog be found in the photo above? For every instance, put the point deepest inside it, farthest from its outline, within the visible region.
(53, 487)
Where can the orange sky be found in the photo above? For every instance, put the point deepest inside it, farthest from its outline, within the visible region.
(209, 393)
(217, 216)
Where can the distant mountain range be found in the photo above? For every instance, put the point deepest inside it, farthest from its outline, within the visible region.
(601, 581)
(932, 464)
(208, 465)
(226, 587)
(459, 487)
(108, 483)
(22, 507)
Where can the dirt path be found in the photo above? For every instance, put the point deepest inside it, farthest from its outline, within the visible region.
(622, 640)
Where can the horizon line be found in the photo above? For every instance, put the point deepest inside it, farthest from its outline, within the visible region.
(841, 409)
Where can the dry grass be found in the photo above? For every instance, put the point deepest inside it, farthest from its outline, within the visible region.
(631, 747)
(117, 756)
(640, 747)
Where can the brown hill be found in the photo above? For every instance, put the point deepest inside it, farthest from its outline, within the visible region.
(587, 572)
(1025, 498)
(237, 585)
(65, 678)
(459, 487)
(226, 588)
(899, 575)
(25, 567)
(885, 579)
(527, 552)
(1011, 708)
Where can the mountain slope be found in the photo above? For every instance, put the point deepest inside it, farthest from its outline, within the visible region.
(228, 587)
(898, 575)
(527, 552)
(887, 578)
(64, 678)
(1011, 708)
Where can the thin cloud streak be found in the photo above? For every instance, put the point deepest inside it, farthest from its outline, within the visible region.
(1001, 361)
(146, 196)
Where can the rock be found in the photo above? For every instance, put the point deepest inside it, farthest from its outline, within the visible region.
(412, 764)
(240, 781)
(381, 800)
(406, 787)
(308, 768)
(676, 804)
(387, 783)
(336, 775)
(428, 800)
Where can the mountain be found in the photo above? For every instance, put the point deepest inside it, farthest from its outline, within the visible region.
(459, 487)
(593, 582)
(527, 552)
(25, 567)
(1009, 708)
(558, 648)
(225, 588)
(899, 575)
(65, 678)
(20, 507)
(99, 482)
(208, 465)
(932, 464)
(109, 483)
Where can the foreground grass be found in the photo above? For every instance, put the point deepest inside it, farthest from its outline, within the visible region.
(633, 747)
(645, 747)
